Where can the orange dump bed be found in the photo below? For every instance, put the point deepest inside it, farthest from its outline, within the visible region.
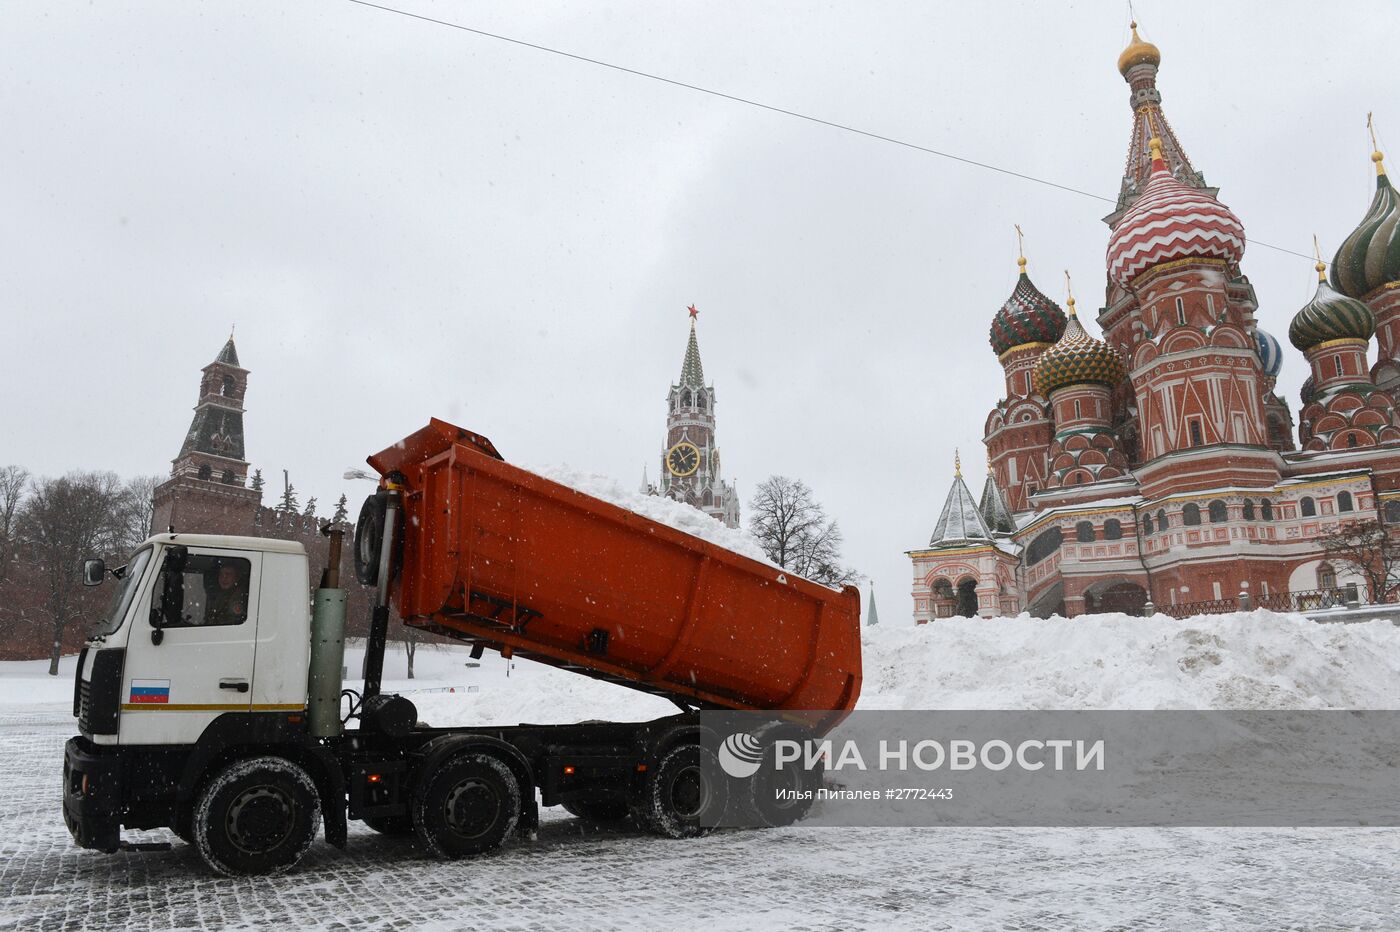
(496, 555)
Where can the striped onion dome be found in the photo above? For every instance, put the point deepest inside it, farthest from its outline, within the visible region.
(1077, 359)
(1170, 221)
(1370, 257)
(1028, 316)
(1269, 352)
(1330, 315)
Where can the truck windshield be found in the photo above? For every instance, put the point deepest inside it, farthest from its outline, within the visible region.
(130, 576)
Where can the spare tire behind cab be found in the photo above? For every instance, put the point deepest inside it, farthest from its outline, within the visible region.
(369, 535)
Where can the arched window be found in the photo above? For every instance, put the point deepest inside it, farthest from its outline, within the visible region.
(1351, 441)
(689, 400)
(1146, 524)
(1326, 576)
(1084, 532)
(1249, 509)
(1197, 439)
(1267, 510)
(1336, 365)
(700, 400)
(1161, 519)
(1307, 506)
(1344, 501)
(1112, 529)
(227, 477)
(1181, 312)
(1191, 515)
(1218, 512)
(1392, 512)
(228, 385)
(1044, 545)
(205, 472)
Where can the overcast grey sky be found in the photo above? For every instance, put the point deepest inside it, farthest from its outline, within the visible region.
(406, 220)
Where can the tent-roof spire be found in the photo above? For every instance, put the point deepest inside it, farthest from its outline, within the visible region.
(692, 373)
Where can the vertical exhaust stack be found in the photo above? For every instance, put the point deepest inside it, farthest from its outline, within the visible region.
(327, 645)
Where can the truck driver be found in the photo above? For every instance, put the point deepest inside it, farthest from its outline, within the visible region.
(228, 603)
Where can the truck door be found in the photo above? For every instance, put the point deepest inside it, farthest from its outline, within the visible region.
(197, 663)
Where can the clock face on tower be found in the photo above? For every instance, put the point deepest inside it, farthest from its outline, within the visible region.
(683, 459)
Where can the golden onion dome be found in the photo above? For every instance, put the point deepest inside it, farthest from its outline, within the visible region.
(1138, 52)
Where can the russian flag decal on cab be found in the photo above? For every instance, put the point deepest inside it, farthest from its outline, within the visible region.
(156, 691)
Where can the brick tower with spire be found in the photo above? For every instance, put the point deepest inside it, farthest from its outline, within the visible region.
(205, 491)
(690, 463)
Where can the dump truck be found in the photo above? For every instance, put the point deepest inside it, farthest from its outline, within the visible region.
(210, 697)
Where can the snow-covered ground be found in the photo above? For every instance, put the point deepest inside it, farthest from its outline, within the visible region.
(581, 878)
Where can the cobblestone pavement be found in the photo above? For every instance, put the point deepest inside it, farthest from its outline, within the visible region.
(571, 877)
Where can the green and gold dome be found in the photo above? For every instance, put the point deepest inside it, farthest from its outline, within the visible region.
(1027, 317)
(1330, 315)
(1077, 359)
(1370, 257)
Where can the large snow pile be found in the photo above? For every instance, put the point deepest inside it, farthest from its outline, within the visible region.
(1244, 660)
(667, 511)
(1248, 660)
(1254, 660)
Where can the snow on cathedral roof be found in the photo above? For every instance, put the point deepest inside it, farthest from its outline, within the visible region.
(961, 521)
(993, 507)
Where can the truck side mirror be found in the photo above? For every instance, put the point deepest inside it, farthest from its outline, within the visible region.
(94, 571)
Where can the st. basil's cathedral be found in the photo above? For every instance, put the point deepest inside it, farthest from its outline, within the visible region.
(1157, 464)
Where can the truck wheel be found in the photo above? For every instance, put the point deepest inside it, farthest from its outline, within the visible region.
(600, 811)
(369, 538)
(390, 825)
(778, 797)
(466, 807)
(680, 794)
(256, 816)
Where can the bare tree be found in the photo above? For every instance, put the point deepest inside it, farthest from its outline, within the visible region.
(135, 512)
(1366, 549)
(63, 522)
(13, 481)
(410, 647)
(795, 533)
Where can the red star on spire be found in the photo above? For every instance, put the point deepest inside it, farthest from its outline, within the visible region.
(693, 312)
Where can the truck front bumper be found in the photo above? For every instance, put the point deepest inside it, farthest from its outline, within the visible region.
(92, 795)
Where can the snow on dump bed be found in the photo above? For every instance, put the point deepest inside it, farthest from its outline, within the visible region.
(667, 511)
(1255, 660)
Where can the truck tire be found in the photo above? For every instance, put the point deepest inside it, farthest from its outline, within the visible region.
(256, 816)
(390, 825)
(598, 811)
(680, 794)
(369, 534)
(466, 807)
(764, 805)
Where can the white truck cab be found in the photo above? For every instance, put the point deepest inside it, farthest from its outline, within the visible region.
(237, 642)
